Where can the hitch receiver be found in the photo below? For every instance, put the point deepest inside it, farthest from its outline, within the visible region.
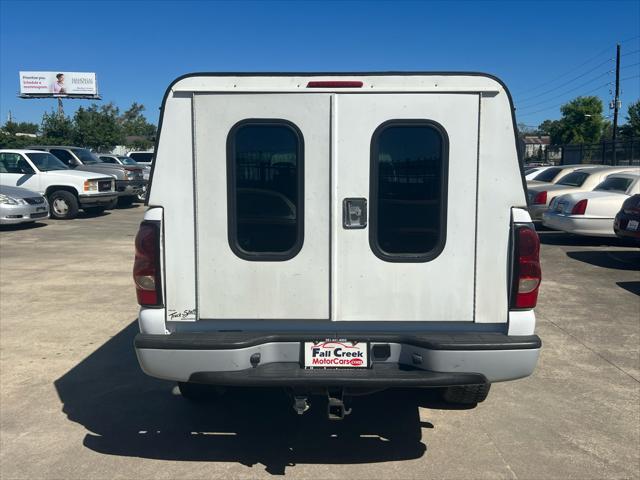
(336, 408)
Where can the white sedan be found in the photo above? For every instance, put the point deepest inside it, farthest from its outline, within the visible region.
(592, 213)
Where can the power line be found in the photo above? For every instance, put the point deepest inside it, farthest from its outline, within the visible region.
(569, 72)
(566, 91)
(584, 93)
(629, 78)
(599, 54)
(560, 104)
(630, 53)
(629, 39)
(629, 66)
(568, 82)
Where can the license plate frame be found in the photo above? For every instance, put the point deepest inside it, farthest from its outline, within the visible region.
(335, 354)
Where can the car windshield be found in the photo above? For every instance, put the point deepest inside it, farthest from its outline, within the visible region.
(45, 162)
(573, 179)
(547, 175)
(617, 184)
(86, 156)
(128, 161)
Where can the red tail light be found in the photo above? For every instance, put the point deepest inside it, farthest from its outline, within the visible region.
(540, 198)
(146, 268)
(335, 84)
(579, 208)
(527, 274)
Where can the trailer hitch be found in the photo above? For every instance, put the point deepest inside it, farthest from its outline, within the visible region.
(336, 407)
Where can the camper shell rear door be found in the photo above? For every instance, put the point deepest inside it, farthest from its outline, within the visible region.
(414, 158)
(410, 159)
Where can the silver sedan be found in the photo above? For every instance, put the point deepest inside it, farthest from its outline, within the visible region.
(19, 205)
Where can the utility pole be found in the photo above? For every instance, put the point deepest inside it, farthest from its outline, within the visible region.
(616, 106)
(60, 109)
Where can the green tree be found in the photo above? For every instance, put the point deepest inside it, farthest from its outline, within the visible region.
(9, 140)
(632, 128)
(22, 127)
(57, 129)
(549, 127)
(581, 121)
(97, 127)
(134, 124)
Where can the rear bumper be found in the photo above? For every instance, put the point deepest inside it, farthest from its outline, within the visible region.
(130, 188)
(418, 360)
(579, 224)
(621, 226)
(536, 211)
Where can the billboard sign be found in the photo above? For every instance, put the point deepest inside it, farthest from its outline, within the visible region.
(58, 84)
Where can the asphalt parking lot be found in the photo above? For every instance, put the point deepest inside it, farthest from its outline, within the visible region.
(74, 404)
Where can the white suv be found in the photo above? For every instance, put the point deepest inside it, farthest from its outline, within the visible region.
(67, 190)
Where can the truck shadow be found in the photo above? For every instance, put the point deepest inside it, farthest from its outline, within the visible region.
(617, 259)
(130, 414)
(554, 237)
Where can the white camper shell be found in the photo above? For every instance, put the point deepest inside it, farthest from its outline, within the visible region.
(337, 231)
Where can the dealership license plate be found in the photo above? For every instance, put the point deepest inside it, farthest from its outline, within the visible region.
(332, 353)
(633, 225)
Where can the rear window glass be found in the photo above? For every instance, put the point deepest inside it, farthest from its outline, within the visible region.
(573, 179)
(618, 184)
(265, 183)
(408, 190)
(86, 156)
(547, 175)
(141, 156)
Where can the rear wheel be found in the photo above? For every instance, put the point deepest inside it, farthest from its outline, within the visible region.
(125, 201)
(466, 394)
(64, 205)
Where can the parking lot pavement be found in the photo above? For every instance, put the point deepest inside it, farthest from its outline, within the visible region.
(74, 404)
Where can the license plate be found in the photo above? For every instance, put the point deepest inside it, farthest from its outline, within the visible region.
(332, 353)
(41, 209)
(633, 225)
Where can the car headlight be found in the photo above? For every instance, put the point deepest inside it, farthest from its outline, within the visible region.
(7, 200)
(90, 185)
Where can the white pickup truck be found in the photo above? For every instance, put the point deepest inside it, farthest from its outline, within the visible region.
(67, 190)
(337, 233)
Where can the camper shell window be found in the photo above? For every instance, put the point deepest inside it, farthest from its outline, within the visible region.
(408, 190)
(265, 182)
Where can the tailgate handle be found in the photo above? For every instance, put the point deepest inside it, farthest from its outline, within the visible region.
(354, 213)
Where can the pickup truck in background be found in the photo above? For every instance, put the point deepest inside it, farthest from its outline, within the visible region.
(129, 179)
(66, 190)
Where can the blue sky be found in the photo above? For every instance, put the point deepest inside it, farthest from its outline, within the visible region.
(546, 52)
